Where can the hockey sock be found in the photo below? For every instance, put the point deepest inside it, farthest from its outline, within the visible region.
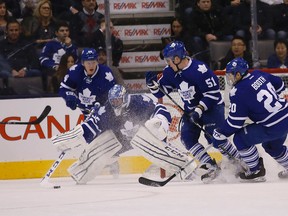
(197, 149)
(251, 157)
(229, 150)
(283, 158)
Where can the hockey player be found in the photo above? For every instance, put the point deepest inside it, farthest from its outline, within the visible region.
(199, 89)
(109, 131)
(87, 82)
(255, 96)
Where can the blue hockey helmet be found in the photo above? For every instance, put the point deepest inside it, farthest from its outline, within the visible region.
(237, 65)
(173, 49)
(89, 54)
(117, 97)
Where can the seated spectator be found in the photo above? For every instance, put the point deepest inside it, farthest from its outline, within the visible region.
(27, 7)
(67, 60)
(13, 8)
(102, 59)
(179, 33)
(55, 49)
(281, 19)
(85, 23)
(19, 53)
(41, 26)
(4, 18)
(208, 24)
(116, 43)
(279, 59)
(241, 16)
(238, 48)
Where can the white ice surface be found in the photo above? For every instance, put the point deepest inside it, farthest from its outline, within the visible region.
(106, 196)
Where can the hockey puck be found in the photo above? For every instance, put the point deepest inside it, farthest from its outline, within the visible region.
(57, 187)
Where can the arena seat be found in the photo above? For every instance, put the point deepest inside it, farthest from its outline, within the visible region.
(218, 50)
(265, 49)
(27, 85)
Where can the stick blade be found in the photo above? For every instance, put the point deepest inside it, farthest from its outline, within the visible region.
(153, 183)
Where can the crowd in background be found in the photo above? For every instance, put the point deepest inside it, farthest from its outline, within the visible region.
(43, 37)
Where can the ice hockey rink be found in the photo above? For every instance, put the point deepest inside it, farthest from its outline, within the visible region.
(124, 196)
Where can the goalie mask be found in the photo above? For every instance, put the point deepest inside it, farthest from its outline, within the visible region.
(237, 65)
(117, 97)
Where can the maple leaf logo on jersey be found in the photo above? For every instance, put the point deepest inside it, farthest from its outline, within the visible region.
(146, 98)
(57, 56)
(129, 129)
(202, 68)
(109, 76)
(233, 92)
(187, 93)
(86, 98)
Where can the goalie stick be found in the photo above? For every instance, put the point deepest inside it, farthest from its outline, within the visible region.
(45, 180)
(43, 115)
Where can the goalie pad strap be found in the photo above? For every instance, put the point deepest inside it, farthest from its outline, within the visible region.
(162, 154)
(95, 157)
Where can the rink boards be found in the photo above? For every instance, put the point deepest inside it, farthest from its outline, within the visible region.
(26, 150)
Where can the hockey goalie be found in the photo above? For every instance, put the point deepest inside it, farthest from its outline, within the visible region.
(127, 121)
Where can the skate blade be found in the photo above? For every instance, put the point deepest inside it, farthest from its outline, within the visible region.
(255, 180)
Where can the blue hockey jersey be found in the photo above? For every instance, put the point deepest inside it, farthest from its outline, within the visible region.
(256, 97)
(53, 51)
(88, 89)
(196, 84)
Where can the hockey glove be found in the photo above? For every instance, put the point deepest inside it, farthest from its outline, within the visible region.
(196, 114)
(218, 138)
(151, 78)
(71, 100)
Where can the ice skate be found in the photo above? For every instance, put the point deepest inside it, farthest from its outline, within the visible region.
(213, 170)
(256, 176)
(283, 174)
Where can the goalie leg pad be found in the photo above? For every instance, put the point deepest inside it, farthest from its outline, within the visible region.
(163, 155)
(70, 139)
(95, 157)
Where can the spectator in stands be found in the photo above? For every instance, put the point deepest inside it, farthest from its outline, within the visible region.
(238, 48)
(65, 9)
(279, 59)
(85, 23)
(4, 18)
(55, 49)
(19, 53)
(40, 26)
(116, 43)
(280, 13)
(207, 24)
(102, 59)
(27, 7)
(179, 33)
(67, 61)
(241, 16)
(13, 7)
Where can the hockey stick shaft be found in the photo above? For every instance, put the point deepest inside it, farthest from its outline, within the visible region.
(201, 128)
(43, 115)
(55, 165)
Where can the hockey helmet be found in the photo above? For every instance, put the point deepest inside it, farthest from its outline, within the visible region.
(237, 65)
(173, 49)
(89, 54)
(117, 97)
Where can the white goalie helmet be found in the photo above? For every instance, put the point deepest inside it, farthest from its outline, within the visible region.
(117, 97)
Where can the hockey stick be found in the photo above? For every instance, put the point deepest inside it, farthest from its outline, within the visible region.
(200, 127)
(45, 180)
(43, 115)
(154, 183)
